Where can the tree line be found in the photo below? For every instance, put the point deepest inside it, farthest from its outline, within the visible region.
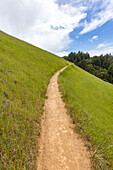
(100, 66)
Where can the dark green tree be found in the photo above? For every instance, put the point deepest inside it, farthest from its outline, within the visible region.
(110, 70)
(101, 66)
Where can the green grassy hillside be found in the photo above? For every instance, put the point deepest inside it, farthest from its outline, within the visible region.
(25, 72)
(90, 102)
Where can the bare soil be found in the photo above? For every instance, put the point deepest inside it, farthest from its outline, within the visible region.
(60, 147)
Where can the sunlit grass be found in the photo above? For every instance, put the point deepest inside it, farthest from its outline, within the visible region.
(25, 72)
(89, 101)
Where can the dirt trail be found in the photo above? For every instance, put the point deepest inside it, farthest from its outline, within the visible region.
(60, 147)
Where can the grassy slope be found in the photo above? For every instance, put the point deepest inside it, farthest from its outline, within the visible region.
(24, 75)
(90, 102)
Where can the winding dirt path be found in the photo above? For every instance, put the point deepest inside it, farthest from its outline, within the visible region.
(60, 147)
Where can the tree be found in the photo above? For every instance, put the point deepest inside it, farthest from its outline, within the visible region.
(96, 61)
(100, 66)
(110, 70)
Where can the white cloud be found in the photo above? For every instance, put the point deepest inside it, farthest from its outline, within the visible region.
(63, 53)
(42, 23)
(103, 48)
(77, 37)
(48, 24)
(101, 45)
(95, 37)
(99, 18)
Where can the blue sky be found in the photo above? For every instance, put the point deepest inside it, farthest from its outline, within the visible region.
(96, 41)
(61, 26)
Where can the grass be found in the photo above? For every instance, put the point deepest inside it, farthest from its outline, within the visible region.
(89, 101)
(25, 71)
